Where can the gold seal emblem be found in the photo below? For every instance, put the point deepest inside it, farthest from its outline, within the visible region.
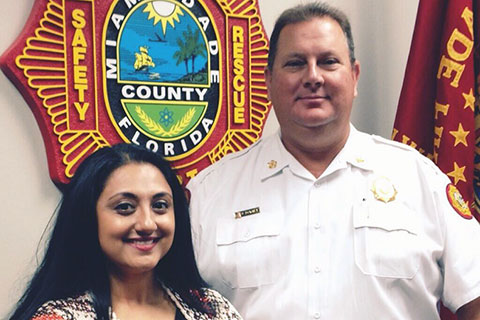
(383, 190)
(457, 202)
(182, 78)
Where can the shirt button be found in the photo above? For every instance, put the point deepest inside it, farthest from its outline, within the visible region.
(316, 315)
(317, 270)
(317, 226)
(317, 184)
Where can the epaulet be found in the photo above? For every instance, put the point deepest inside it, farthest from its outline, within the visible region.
(414, 152)
(396, 144)
(220, 163)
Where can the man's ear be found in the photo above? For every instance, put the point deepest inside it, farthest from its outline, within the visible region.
(268, 78)
(355, 75)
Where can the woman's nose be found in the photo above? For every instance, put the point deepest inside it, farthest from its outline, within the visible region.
(145, 223)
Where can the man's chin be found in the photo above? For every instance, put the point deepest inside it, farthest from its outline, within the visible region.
(315, 122)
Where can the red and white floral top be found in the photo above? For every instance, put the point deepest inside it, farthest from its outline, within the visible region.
(81, 307)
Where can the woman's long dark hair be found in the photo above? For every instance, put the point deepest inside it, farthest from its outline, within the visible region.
(74, 262)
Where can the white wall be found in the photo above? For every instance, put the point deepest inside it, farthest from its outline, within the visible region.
(27, 194)
(382, 31)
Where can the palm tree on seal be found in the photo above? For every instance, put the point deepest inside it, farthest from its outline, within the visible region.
(182, 53)
(196, 48)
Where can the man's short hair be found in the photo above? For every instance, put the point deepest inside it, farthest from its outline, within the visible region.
(305, 12)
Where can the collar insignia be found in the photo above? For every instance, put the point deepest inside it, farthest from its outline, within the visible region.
(272, 164)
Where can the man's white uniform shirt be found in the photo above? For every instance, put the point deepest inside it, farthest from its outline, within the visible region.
(326, 248)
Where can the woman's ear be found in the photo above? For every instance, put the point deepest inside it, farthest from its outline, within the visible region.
(188, 195)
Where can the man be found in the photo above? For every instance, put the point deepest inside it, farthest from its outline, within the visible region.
(321, 221)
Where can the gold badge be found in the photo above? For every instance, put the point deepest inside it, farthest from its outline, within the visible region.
(248, 212)
(457, 202)
(383, 190)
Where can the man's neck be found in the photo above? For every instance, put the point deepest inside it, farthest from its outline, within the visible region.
(315, 153)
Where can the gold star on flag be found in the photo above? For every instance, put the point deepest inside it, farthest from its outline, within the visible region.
(457, 173)
(469, 100)
(460, 135)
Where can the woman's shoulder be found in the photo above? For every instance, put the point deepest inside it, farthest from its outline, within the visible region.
(211, 295)
(220, 308)
(223, 308)
(76, 307)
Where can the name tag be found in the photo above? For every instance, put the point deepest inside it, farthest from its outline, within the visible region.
(245, 213)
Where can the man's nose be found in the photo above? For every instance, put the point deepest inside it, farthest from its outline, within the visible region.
(313, 77)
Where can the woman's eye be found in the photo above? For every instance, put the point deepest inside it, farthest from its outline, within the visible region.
(124, 208)
(161, 205)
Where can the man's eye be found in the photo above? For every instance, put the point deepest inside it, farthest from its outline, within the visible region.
(124, 208)
(330, 61)
(294, 63)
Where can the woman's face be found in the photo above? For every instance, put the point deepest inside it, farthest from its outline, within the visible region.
(136, 221)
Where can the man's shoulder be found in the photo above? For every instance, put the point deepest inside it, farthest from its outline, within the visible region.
(389, 153)
(230, 163)
(389, 145)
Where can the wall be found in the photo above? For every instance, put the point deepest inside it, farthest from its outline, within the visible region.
(382, 31)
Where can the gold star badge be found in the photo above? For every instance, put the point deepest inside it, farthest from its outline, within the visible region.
(383, 190)
(272, 164)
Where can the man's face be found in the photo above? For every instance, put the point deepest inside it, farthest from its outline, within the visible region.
(312, 82)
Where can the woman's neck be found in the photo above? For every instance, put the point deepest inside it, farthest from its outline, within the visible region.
(139, 296)
(135, 287)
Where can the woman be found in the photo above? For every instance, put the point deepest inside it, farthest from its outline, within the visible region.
(121, 247)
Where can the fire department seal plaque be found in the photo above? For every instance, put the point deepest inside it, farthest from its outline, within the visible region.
(183, 78)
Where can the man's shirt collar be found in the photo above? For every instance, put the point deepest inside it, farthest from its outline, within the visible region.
(275, 157)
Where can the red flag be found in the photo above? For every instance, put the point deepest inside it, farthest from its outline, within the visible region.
(436, 111)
